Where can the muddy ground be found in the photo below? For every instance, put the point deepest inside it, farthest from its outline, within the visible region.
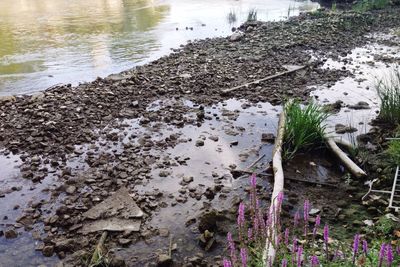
(168, 134)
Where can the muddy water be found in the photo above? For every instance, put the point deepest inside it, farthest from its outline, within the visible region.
(43, 43)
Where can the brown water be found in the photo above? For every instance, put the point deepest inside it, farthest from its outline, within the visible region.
(46, 42)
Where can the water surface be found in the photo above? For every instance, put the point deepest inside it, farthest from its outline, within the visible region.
(46, 42)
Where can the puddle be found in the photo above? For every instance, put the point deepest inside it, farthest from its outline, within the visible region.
(367, 70)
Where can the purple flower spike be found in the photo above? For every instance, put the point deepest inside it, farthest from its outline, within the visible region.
(398, 250)
(287, 236)
(317, 224)
(326, 233)
(382, 254)
(250, 234)
(243, 255)
(389, 255)
(296, 218)
(253, 180)
(356, 244)
(240, 219)
(306, 210)
(299, 254)
(365, 247)
(284, 263)
(231, 245)
(314, 261)
(227, 263)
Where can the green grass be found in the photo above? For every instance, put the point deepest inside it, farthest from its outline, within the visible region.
(252, 15)
(367, 5)
(304, 129)
(389, 95)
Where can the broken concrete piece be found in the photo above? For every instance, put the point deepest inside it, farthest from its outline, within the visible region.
(113, 225)
(120, 205)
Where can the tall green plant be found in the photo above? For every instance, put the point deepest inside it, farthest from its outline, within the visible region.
(389, 94)
(304, 129)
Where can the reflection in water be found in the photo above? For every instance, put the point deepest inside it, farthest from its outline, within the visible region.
(45, 42)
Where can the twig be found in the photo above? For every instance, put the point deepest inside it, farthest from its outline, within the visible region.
(263, 79)
(255, 162)
(99, 250)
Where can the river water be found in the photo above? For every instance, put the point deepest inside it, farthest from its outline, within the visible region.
(47, 42)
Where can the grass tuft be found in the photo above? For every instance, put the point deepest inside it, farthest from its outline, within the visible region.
(304, 129)
(252, 15)
(367, 5)
(389, 94)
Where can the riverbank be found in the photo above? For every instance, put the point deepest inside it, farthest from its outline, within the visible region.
(75, 146)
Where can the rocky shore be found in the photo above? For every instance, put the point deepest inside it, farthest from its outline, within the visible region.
(87, 142)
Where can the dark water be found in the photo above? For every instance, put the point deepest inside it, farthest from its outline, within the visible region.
(46, 42)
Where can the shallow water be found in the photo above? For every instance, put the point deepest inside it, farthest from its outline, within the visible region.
(46, 42)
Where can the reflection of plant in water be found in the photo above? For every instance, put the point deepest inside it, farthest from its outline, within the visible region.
(252, 15)
(232, 17)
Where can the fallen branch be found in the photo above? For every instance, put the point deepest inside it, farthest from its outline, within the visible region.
(263, 79)
(269, 250)
(255, 162)
(348, 163)
(311, 182)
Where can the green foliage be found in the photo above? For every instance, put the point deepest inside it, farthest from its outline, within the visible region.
(367, 5)
(389, 94)
(304, 129)
(252, 15)
(394, 151)
(334, 7)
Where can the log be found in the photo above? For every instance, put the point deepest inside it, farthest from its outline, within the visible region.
(269, 250)
(347, 162)
(263, 79)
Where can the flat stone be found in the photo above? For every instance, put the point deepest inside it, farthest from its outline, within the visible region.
(10, 233)
(113, 225)
(199, 143)
(120, 203)
(164, 232)
(268, 137)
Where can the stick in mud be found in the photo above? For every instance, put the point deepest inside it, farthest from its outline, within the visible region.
(263, 79)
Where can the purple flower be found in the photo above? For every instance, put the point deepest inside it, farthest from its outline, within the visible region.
(280, 199)
(389, 255)
(398, 250)
(314, 261)
(326, 239)
(240, 219)
(249, 234)
(356, 244)
(306, 210)
(326, 233)
(294, 249)
(296, 218)
(284, 263)
(299, 254)
(231, 245)
(365, 247)
(317, 224)
(243, 255)
(253, 180)
(382, 254)
(227, 263)
(287, 236)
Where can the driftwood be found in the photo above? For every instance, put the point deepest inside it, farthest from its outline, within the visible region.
(348, 163)
(263, 79)
(99, 250)
(269, 250)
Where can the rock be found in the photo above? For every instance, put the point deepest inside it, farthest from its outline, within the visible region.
(10, 233)
(164, 260)
(135, 104)
(70, 189)
(268, 137)
(164, 232)
(234, 143)
(124, 241)
(314, 212)
(213, 138)
(199, 143)
(236, 36)
(10, 98)
(360, 105)
(48, 251)
(187, 179)
(341, 129)
(117, 261)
